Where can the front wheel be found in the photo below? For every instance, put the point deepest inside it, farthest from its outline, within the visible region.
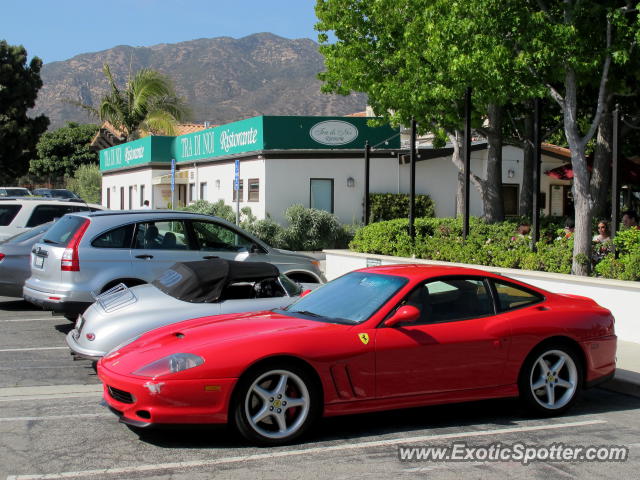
(276, 404)
(551, 380)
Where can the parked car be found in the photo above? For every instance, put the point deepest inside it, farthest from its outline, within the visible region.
(19, 214)
(87, 253)
(187, 290)
(379, 338)
(15, 256)
(14, 192)
(56, 193)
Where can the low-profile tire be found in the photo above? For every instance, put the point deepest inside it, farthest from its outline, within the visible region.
(551, 379)
(275, 404)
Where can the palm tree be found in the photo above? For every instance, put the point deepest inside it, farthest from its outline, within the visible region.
(147, 105)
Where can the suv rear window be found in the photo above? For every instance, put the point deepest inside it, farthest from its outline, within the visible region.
(45, 213)
(63, 230)
(8, 213)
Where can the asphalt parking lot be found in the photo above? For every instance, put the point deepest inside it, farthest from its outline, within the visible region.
(52, 426)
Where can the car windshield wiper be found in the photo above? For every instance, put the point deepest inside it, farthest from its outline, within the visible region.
(307, 312)
(51, 242)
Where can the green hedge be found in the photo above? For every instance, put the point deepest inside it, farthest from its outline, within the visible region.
(493, 245)
(387, 206)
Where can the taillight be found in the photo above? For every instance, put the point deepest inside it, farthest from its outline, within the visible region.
(1, 256)
(70, 261)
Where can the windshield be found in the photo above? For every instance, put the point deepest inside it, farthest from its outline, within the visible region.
(352, 298)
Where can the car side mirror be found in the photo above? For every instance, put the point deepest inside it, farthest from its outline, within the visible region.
(304, 293)
(405, 314)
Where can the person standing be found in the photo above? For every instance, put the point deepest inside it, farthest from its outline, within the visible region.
(630, 219)
(145, 204)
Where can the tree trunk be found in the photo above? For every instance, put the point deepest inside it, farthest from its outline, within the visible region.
(456, 139)
(581, 195)
(492, 198)
(601, 173)
(526, 193)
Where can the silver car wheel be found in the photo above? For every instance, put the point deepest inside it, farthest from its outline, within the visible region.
(277, 404)
(553, 379)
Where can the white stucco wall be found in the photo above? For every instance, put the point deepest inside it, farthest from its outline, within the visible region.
(620, 297)
(125, 179)
(219, 178)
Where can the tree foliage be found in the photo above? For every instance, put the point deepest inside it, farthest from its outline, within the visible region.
(62, 151)
(148, 104)
(19, 85)
(87, 183)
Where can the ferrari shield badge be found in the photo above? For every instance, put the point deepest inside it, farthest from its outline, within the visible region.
(364, 338)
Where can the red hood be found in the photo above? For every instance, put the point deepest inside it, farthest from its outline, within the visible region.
(218, 337)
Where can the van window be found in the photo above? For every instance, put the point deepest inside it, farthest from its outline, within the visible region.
(45, 213)
(8, 213)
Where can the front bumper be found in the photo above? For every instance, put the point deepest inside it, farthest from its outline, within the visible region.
(57, 302)
(198, 401)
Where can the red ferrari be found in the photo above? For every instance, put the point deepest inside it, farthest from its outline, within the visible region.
(375, 339)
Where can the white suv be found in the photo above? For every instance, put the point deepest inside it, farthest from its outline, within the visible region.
(20, 213)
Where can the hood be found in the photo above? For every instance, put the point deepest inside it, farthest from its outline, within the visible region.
(216, 337)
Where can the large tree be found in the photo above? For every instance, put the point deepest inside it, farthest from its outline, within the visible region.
(62, 151)
(415, 58)
(19, 85)
(148, 104)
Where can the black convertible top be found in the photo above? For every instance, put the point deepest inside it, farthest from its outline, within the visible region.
(204, 281)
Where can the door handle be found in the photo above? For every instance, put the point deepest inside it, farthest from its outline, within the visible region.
(145, 257)
(209, 257)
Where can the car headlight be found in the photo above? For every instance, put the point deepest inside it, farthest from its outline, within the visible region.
(171, 364)
(113, 351)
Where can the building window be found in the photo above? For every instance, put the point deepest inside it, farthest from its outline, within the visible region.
(141, 195)
(121, 198)
(130, 197)
(203, 190)
(510, 199)
(192, 192)
(254, 190)
(321, 194)
(109, 197)
(241, 191)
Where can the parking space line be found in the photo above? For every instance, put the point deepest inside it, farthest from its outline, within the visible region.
(48, 319)
(31, 349)
(55, 417)
(304, 451)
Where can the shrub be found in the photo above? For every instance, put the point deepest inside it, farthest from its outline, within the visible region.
(388, 206)
(87, 183)
(311, 229)
(218, 209)
(270, 232)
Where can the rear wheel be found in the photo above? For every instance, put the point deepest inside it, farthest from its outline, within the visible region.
(551, 379)
(276, 404)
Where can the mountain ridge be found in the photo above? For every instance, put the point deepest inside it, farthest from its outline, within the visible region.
(223, 79)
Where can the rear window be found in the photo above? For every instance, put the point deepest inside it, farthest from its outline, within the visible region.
(8, 213)
(63, 230)
(30, 234)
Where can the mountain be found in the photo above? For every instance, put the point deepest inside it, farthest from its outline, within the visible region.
(223, 79)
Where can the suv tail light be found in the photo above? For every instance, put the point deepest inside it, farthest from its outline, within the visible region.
(70, 261)
(1, 256)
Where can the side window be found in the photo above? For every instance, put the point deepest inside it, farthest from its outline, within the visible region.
(512, 296)
(117, 238)
(45, 213)
(169, 235)
(451, 299)
(213, 236)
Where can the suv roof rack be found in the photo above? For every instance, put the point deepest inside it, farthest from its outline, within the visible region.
(104, 213)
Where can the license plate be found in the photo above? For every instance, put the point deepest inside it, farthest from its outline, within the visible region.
(38, 261)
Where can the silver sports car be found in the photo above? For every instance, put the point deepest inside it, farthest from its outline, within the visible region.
(186, 290)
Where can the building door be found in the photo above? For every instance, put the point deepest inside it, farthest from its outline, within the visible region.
(321, 194)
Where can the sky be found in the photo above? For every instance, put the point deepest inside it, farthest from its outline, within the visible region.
(61, 29)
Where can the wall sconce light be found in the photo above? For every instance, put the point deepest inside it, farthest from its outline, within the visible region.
(218, 184)
(511, 173)
(351, 182)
